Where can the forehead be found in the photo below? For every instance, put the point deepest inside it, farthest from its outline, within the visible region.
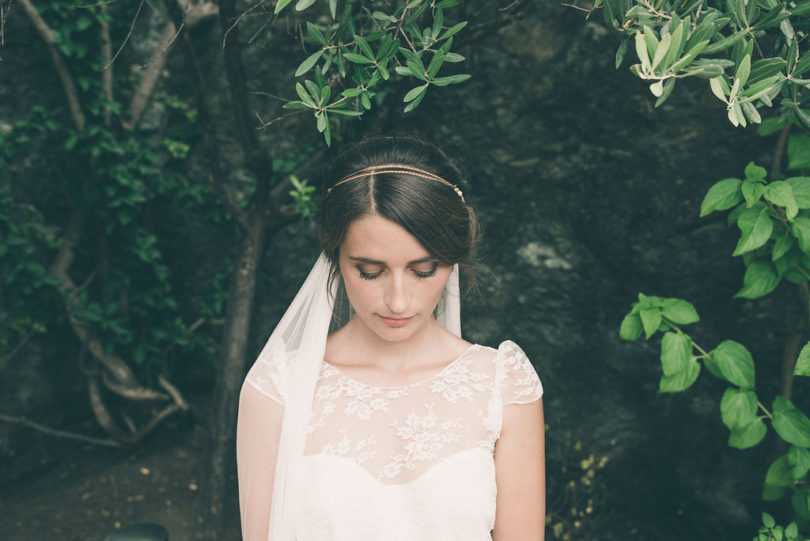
(375, 237)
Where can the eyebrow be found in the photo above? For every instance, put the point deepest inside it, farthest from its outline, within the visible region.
(369, 261)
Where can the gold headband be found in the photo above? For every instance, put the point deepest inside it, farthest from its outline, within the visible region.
(395, 168)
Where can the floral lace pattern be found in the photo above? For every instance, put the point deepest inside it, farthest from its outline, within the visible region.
(397, 434)
(409, 463)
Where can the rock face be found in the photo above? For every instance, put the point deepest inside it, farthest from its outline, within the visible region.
(587, 195)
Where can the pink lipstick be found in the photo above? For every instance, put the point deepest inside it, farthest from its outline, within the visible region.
(395, 322)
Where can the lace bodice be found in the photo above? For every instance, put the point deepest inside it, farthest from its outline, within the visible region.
(413, 462)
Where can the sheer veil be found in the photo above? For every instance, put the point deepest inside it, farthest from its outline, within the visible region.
(296, 349)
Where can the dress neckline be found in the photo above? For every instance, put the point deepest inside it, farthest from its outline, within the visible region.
(444, 369)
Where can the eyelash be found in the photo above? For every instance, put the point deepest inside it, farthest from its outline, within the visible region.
(418, 274)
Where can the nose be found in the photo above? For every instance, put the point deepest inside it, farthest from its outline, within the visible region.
(396, 298)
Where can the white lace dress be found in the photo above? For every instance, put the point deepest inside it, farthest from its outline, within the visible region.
(408, 463)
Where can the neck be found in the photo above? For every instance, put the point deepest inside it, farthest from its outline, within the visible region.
(393, 354)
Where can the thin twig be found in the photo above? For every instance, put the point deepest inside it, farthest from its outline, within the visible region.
(17, 348)
(588, 11)
(126, 39)
(238, 19)
(68, 85)
(58, 433)
(174, 393)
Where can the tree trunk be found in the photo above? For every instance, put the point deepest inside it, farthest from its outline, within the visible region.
(232, 371)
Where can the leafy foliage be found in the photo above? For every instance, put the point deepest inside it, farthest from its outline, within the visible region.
(750, 51)
(773, 247)
(360, 48)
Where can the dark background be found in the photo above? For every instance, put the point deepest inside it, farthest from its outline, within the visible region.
(587, 195)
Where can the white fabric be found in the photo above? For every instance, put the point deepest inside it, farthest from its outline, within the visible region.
(360, 462)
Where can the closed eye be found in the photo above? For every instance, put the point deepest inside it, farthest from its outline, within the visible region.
(422, 272)
(369, 272)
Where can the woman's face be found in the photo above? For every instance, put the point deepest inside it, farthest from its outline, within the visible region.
(392, 281)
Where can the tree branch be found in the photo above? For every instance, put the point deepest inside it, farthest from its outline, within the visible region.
(58, 433)
(216, 175)
(107, 73)
(194, 13)
(61, 68)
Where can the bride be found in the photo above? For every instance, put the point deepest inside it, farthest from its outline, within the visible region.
(391, 427)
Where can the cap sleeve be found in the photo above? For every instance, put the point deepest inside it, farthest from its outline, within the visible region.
(269, 375)
(518, 381)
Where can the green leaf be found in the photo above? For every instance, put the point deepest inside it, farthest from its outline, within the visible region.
(798, 151)
(307, 64)
(802, 8)
(631, 328)
(800, 228)
(716, 85)
(448, 4)
(802, 367)
(803, 116)
(782, 246)
(749, 435)
(303, 4)
(364, 46)
(333, 9)
(281, 5)
(661, 50)
(451, 79)
(780, 193)
(760, 279)
(743, 70)
(316, 33)
(801, 191)
(735, 363)
(641, 52)
(676, 352)
(755, 172)
(752, 192)
(417, 69)
(722, 196)
(650, 320)
(621, 51)
(778, 477)
(765, 68)
(756, 236)
(435, 63)
(305, 97)
(357, 58)
(679, 311)
(688, 57)
(799, 458)
(790, 423)
(738, 408)
(750, 112)
(681, 380)
(453, 30)
(669, 84)
(725, 43)
(415, 93)
(295, 105)
(346, 112)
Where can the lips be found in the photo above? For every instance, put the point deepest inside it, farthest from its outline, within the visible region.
(395, 321)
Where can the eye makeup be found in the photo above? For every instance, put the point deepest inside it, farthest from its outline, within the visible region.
(424, 269)
(421, 273)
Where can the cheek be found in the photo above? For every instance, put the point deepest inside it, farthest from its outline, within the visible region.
(436, 286)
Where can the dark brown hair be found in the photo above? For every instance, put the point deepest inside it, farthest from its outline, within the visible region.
(429, 210)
